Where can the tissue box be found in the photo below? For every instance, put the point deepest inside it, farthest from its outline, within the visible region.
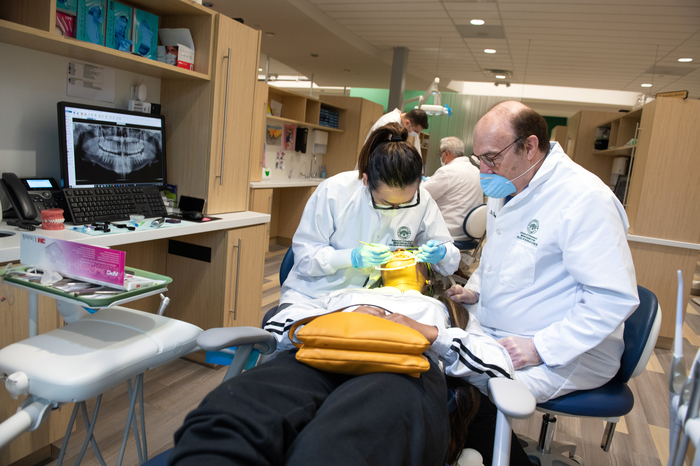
(118, 31)
(65, 24)
(145, 35)
(91, 21)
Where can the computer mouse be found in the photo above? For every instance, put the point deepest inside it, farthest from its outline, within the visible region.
(193, 215)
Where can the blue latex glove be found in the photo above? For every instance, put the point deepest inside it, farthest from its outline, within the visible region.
(370, 255)
(431, 253)
(424, 178)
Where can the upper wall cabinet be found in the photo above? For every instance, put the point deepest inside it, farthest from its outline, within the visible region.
(31, 24)
(209, 124)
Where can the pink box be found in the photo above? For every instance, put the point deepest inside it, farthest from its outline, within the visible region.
(94, 264)
(65, 24)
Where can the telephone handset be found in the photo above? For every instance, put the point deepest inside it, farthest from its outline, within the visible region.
(28, 206)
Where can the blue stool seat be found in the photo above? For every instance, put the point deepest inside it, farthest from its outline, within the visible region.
(614, 399)
(160, 460)
(466, 244)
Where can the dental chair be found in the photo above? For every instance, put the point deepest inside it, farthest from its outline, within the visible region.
(474, 228)
(250, 345)
(85, 358)
(609, 402)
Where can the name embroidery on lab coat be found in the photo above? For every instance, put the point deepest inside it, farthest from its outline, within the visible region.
(532, 228)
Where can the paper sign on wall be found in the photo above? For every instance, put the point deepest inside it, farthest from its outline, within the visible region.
(89, 81)
(92, 264)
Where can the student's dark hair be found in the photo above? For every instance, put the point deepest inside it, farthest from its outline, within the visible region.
(527, 122)
(386, 157)
(418, 117)
(467, 396)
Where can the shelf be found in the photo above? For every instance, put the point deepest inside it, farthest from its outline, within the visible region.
(49, 42)
(615, 152)
(303, 123)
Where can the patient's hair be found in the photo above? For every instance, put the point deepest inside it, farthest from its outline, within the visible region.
(467, 396)
(386, 157)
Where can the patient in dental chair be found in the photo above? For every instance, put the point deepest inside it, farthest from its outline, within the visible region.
(284, 412)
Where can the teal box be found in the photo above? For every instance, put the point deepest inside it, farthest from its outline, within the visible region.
(118, 31)
(145, 34)
(67, 6)
(91, 21)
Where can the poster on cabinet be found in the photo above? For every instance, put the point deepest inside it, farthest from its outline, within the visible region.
(290, 132)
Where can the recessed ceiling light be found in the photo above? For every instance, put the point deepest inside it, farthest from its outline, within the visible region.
(270, 34)
(477, 22)
(646, 85)
(259, 69)
(489, 51)
(685, 60)
(500, 76)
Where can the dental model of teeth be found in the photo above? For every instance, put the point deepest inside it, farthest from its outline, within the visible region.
(52, 219)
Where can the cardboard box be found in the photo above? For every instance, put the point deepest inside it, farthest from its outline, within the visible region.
(91, 21)
(65, 24)
(178, 48)
(67, 6)
(145, 34)
(118, 30)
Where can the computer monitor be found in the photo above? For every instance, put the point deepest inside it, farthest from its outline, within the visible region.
(105, 147)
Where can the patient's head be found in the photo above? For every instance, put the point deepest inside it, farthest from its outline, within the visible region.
(404, 272)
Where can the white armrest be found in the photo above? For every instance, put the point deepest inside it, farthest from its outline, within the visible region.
(511, 397)
(216, 339)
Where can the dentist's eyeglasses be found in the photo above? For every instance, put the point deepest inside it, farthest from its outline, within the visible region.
(395, 206)
(490, 160)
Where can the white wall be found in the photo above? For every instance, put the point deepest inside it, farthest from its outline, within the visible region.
(31, 83)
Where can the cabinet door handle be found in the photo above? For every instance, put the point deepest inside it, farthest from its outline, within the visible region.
(223, 139)
(238, 276)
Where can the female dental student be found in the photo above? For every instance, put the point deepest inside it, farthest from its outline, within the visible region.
(355, 219)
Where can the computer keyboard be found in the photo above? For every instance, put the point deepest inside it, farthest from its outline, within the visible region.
(113, 204)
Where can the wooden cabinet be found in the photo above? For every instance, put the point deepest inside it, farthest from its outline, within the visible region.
(217, 277)
(662, 206)
(358, 118)
(209, 125)
(258, 132)
(580, 140)
(261, 201)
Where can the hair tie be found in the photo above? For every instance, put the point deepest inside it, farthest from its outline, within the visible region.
(395, 138)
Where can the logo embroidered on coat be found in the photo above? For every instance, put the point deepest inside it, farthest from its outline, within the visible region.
(533, 226)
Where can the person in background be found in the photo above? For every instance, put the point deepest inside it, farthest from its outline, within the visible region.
(556, 279)
(354, 219)
(455, 185)
(414, 121)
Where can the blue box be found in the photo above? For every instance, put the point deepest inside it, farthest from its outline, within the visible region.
(118, 31)
(67, 6)
(145, 35)
(91, 21)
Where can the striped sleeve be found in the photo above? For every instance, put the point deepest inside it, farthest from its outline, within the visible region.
(472, 355)
(280, 323)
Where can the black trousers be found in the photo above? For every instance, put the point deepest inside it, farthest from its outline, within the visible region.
(284, 412)
(481, 435)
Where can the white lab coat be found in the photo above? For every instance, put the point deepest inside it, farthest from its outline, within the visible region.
(469, 354)
(336, 218)
(456, 188)
(557, 267)
(392, 117)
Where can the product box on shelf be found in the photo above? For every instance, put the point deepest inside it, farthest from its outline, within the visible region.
(65, 24)
(145, 34)
(91, 21)
(177, 48)
(118, 30)
(67, 6)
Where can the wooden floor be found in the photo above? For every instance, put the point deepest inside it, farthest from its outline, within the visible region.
(174, 389)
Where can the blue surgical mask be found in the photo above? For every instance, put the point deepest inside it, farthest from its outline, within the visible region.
(498, 187)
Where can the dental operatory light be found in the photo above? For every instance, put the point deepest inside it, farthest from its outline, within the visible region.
(500, 76)
(435, 109)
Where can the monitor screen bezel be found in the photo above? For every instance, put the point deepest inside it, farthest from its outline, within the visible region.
(63, 148)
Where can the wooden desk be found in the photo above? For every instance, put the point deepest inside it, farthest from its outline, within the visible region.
(284, 201)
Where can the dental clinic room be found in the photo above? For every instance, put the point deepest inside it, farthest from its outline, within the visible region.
(268, 232)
